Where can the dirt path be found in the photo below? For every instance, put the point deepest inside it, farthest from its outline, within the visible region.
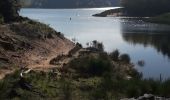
(34, 51)
(44, 63)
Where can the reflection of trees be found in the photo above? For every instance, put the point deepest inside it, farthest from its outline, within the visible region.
(161, 42)
(145, 7)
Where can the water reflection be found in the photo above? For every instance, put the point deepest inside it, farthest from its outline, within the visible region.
(151, 44)
(161, 42)
(115, 33)
(138, 25)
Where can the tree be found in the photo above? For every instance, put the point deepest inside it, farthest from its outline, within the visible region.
(145, 7)
(115, 55)
(68, 3)
(9, 10)
(97, 45)
(125, 58)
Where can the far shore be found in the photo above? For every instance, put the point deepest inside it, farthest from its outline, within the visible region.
(120, 13)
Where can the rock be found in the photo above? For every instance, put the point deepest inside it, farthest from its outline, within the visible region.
(146, 97)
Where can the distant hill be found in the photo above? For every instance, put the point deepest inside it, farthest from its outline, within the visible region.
(68, 3)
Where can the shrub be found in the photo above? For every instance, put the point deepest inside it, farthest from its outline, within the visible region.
(90, 65)
(125, 58)
(115, 55)
(97, 45)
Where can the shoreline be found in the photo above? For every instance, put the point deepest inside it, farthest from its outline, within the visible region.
(120, 13)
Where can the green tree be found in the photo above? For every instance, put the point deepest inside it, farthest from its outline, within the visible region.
(115, 55)
(145, 7)
(9, 10)
(97, 45)
(125, 58)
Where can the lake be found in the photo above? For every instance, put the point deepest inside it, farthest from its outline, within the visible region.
(142, 41)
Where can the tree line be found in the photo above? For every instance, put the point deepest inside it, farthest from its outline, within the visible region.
(68, 3)
(145, 7)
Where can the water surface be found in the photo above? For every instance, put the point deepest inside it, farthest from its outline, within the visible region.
(142, 41)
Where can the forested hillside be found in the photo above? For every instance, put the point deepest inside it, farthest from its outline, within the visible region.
(68, 3)
(145, 7)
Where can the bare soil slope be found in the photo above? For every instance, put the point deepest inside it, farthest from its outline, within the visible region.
(30, 44)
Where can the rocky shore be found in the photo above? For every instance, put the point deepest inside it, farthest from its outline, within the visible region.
(111, 13)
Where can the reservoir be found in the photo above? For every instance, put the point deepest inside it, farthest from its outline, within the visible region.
(142, 41)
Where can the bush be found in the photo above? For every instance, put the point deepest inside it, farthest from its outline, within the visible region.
(125, 58)
(97, 45)
(115, 55)
(90, 65)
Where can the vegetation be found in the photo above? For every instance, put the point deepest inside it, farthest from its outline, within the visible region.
(96, 46)
(37, 85)
(145, 7)
(115, 55)
(92, 65)
(93, 75)
(90, 76)
(32, 29)
(71, 85)
(125, 58)
(9, 10)
(161, 19)
(69, 4)
(112, 12)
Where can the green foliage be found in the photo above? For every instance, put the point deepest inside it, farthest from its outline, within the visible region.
(105, 87)
(92, 65)
(162, 19)
(146, 7)
(96, 46)
(32, 29)
(9, 10)
(69, 3)
(96, 79)
(115, 55)
(66, 89)
(44, 86)
(117, 12)
(125, 58)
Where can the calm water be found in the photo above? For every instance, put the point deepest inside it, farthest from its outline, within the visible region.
(142, 41)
